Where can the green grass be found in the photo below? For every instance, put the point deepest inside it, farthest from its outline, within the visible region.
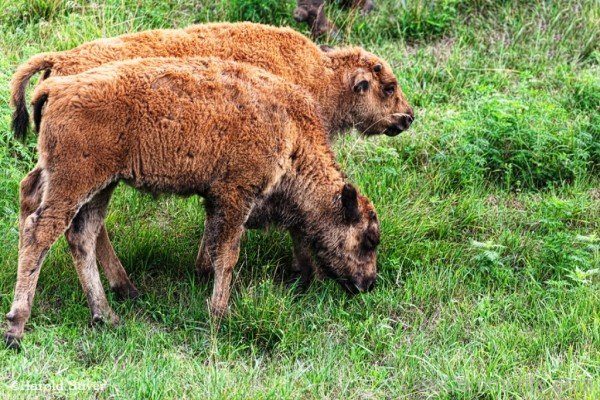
(490, 209)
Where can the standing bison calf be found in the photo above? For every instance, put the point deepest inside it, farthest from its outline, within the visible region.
(351, 88)
(236, 135)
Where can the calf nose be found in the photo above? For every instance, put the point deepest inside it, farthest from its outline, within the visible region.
(371, 286)
(367, 284)
(405, 121)
(400, 123)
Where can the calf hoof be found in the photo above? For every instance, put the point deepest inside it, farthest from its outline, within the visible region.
(126, 292)
(204, 274)
(97, 320)
(101, 320)
(217, 311)
(12, 342)
(300, 280)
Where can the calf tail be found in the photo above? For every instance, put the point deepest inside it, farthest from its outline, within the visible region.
(40, 96)
(20, 117)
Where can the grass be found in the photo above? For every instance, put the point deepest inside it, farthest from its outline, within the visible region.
(490, 208)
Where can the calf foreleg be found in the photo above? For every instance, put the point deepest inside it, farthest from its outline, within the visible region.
(113, 269)
(303, 263)
(222, 233)
(259, 219)
(39, 231)
(204, 267)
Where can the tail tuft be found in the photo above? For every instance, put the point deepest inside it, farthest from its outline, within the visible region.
(20, 117)
(20, 121)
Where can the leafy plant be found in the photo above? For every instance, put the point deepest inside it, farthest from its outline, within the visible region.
(518, 143)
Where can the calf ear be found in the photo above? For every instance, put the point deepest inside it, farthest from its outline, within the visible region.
(361, 81)
(372, 238)
(350, 204)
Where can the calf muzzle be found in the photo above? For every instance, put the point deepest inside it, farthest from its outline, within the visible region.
(355, 286)
(402, 123)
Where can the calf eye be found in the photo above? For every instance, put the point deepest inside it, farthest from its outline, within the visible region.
(370, 241)
(377, 68)
(372, 215)
(389, 89)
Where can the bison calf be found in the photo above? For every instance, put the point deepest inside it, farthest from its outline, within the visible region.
(352, 87)
(236, 135)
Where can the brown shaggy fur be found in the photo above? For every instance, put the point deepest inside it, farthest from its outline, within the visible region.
(245, 140)
(348, 90)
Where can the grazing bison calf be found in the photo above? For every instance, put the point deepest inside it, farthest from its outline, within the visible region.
(236, 135)
(313, 13)
(350, 86)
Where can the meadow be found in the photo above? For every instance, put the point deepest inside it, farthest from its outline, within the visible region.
(489, 266)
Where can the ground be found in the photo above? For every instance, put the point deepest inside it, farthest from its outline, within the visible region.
(490, 208)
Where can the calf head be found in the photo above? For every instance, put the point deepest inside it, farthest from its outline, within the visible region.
(372, 99)
(346, 248)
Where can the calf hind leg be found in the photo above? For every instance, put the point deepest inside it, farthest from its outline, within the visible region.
(30, 196)
(30, 199)
(81, 236)
(39, 231)
(115, 273)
